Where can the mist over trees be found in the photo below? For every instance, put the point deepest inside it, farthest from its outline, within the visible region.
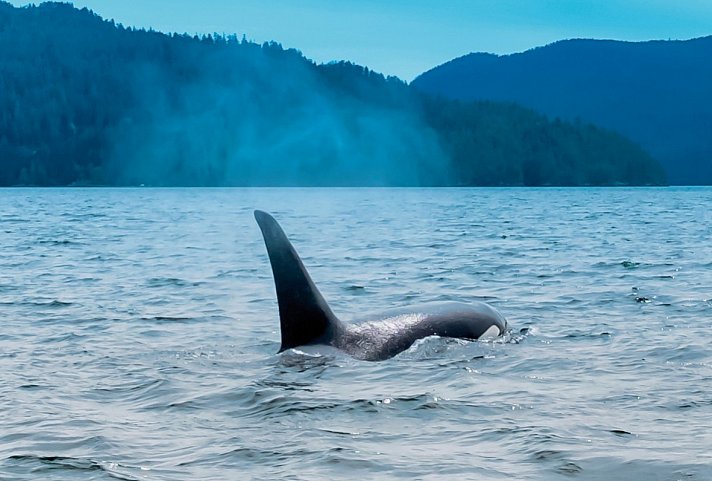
(84, 101)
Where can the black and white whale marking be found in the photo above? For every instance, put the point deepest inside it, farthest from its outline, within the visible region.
(306, 319)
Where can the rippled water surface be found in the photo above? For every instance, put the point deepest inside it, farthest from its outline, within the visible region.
(139, 329)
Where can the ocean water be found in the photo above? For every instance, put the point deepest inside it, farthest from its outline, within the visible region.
(139, 330)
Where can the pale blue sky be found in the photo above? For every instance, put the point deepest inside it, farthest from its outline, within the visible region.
(407, 37)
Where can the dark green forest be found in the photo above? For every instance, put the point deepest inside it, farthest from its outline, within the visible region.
(657, 93)
(85, 101)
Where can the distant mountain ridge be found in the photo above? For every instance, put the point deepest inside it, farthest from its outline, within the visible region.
(657, 93)
(86, 101)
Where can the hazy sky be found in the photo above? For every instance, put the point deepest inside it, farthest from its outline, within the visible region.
(407, 37)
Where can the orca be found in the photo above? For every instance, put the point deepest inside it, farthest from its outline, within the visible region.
(306, 319)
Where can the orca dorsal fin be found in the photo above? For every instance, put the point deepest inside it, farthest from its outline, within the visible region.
(305, 317)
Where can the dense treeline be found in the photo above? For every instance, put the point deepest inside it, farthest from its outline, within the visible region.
(657, 93)
(525, 148)
(86, 101)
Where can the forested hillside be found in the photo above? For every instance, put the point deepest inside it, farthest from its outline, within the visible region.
(84, 101)
(657, 93)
